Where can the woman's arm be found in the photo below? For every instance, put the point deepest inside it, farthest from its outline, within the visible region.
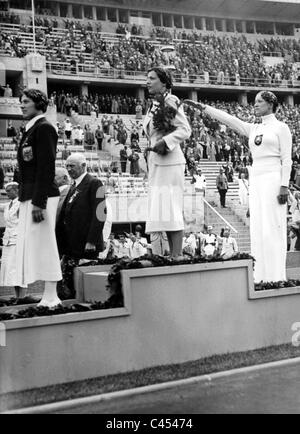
(223, 117)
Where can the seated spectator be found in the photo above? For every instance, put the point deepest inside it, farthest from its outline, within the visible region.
(189, 244)
(124, 248)
(209, 243)
(229, 245)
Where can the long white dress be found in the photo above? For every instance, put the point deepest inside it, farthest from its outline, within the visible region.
(271, 146)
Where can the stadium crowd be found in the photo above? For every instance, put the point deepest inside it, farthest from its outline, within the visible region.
(216, 59)
(98, 103)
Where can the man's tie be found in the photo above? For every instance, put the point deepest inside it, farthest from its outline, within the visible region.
(71, 190)
(10, 204)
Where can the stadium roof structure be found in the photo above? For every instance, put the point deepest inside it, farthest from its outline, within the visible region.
(282, 10)
(278, 10)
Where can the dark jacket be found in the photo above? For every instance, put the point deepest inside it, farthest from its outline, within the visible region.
(81, 219)
(123, 155)
(36, 159)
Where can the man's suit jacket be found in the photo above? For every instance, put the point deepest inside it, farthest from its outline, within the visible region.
(36, 158)
(222, 182)
(172, 139)
(82, 218)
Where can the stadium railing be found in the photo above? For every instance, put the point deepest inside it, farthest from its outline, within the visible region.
(64, 68)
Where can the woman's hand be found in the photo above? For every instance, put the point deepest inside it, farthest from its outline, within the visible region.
(160, 147)
(283, 195)
(194, 104)
(37, 214)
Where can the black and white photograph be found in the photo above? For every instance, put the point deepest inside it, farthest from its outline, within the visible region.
(150, 209)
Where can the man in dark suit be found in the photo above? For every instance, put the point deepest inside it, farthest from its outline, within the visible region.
(222, 186)
(36, 248)
(82, 217)
(123, 158)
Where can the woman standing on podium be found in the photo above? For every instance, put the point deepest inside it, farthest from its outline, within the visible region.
(270, 143)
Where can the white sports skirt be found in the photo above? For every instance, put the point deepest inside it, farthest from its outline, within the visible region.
(36, 251)
(165, 198)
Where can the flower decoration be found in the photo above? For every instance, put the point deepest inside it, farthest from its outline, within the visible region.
(163, 114)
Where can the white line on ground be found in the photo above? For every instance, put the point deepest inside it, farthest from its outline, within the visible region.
(94, 399)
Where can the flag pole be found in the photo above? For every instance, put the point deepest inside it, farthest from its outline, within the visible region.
(33, 25)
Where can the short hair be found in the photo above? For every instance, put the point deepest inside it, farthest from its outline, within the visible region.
(270, 98)
(164, 75)
(78, 157)
(13, 184)
(39, 98)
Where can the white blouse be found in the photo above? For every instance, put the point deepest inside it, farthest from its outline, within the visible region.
(270, 142)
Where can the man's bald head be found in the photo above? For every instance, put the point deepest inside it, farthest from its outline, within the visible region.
(76, 165)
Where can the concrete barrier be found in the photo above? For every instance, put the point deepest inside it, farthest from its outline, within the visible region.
(170, 315)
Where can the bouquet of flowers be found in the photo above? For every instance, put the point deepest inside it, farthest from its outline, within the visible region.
(162, 118)
(163, 115)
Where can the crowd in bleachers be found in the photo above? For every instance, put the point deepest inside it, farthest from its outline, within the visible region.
(209, 140)
(98, 103)
(10, 18)
(215, 59)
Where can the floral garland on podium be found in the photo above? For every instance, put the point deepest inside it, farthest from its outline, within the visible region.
(115, 283)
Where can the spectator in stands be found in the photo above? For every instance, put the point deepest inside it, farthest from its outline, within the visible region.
(77, 135)
(200, 181)
(68, 129)
(99, 136)
(134, 135)
(1, 176)
(222, 186)
(139, 243)
(37, 254)
(134, 163)
(123, 158)
(89, 138)
(209, 243)
(295, 235)
(11, 131)
(124, 248)
(189, 244)
(139, 110)
(122, 135)
(166, 164)
(243, 190)
(229, 245)
(134, 146)
(228, 170)
(8, 91)
(22, 128)
(295, 207)
(65, 153)
(8, 260)
(271, 146)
